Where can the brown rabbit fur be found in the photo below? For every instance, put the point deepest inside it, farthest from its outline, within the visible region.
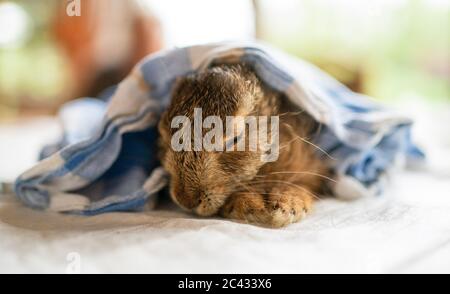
(238, 185)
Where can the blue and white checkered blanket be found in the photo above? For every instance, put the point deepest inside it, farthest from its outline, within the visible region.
(110, 164)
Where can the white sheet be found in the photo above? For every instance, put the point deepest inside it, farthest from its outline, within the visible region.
(405, 231)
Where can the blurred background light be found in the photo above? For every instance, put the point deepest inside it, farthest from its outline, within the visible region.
(15, 25)
(192, 22)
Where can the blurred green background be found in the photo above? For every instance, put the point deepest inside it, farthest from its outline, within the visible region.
(394, 49)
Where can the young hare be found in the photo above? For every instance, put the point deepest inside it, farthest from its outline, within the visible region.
(238, 184)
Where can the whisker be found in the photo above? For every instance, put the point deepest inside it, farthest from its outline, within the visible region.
(292, 113)
(300, 172)
(289, 183)
(309, 142)
(249, 186)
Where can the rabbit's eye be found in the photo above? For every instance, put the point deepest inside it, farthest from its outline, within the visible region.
(234, 141)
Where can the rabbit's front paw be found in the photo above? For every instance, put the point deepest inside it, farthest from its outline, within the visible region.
(275, 209)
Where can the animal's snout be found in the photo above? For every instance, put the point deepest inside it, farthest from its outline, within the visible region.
(188, 199)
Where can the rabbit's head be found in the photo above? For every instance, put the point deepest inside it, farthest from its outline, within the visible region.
(201, 180)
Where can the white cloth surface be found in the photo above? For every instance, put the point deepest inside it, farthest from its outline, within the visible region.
(405, 231)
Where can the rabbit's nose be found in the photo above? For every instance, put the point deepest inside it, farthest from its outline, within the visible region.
(189, 200)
